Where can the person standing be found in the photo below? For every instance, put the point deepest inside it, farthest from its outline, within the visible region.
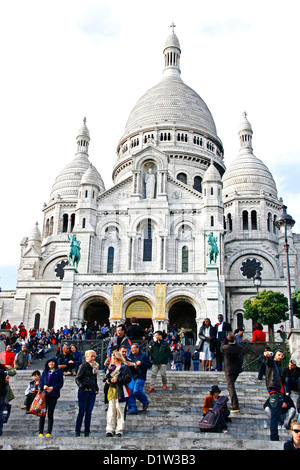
(187, 359)
(232, 367)
(51, 382)
(207, 336)
(135, 332)
(222, 329)
(275, 387)
(139, 363)
(86, 379)
(117, 378)
(160, 353)
(119, 339)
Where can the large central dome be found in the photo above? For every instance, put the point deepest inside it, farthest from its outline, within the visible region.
(171, 100)
(172, 117)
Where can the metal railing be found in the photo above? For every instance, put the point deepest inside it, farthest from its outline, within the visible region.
(99, 346)
(252, 353)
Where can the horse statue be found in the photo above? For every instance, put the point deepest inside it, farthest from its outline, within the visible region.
(74, 251)
(212, 248)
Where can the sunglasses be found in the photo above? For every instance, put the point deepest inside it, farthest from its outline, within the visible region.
(296, 430)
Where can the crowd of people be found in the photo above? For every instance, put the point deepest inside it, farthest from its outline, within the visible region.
(125, 370)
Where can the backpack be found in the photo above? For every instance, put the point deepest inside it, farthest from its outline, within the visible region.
(210, 421)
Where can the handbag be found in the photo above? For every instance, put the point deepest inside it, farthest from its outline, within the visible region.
(6, 411)
(38, 406)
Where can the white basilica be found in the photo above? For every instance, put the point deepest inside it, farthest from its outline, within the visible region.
(176, 239)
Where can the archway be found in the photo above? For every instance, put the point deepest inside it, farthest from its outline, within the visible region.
(97, 311)
(183, 315)
(140, 310)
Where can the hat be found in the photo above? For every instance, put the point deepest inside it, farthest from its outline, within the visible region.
(215, 389)
(293, 361)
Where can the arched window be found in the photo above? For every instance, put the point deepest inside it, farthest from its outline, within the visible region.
(147, 252)
(47, 228)
(185, 259)
(269, 222)
(253, 220)
(274, 221)
(37, 320)
(51, 226)
(72, 221)
(198, 183)
(182, 177)
(229, 219)
(83, 222)
(65, 223)
(110, 259)
(245, 220)
(52, 310)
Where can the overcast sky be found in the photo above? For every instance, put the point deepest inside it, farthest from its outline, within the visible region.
(65, 60)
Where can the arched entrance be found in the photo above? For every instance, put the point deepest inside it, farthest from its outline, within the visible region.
(97, 310)
(183, 315)
(142, 311)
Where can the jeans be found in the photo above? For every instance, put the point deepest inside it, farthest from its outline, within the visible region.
(86, 402)
(2, 398)
(137, 394)
(196, 365)
(50, 405)
(275, 402)
(292, 384)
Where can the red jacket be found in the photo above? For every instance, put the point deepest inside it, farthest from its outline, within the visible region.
(259, 335)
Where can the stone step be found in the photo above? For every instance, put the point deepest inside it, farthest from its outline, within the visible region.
(171, 421)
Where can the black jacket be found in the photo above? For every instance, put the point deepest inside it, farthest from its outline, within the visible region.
(274, 380)
(232, 357)
(212, 334)
(86, 377)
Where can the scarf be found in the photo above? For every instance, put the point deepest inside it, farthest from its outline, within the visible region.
(113, 391)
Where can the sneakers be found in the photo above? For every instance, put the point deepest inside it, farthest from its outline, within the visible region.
(235, 411)
(109, 434)
(48, 434)
(41, 435)
(145, 406)
(151, 389)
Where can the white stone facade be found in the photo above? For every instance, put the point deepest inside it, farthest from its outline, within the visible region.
(150, 236)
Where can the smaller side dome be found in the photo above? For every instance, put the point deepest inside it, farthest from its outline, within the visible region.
(92, 177)
(35, 234)
(211, 174)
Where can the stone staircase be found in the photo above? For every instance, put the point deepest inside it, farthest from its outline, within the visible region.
(170, 423)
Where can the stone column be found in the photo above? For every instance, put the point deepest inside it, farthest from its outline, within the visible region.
(294, 343)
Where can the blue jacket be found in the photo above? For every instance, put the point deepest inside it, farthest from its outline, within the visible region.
(55, 379)
(141, 371)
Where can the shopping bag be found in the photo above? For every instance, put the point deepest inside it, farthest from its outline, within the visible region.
(38, 406)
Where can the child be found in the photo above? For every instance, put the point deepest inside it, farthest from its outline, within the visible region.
(31, 391)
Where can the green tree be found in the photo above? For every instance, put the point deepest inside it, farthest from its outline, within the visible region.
(268, 308)
(296, 303)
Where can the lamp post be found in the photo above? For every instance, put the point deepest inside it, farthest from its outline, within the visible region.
(284, 222)
(257, 280)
